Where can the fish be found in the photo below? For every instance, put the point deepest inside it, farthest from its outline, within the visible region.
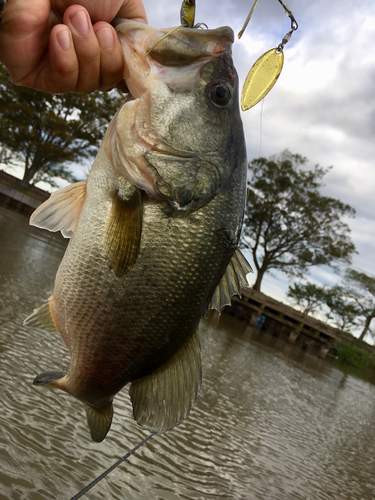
(154, 231)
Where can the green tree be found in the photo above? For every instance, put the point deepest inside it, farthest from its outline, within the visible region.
(289, 225)
(45, 132)
(333, 303)
(361, 288)
(308, 297)
(342, 310)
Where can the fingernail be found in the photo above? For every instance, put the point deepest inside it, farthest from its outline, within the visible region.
(105, 38)
(64, 40)
(80, 22)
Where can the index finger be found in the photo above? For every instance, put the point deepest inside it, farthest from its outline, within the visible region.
(133, 9)
(106, 10)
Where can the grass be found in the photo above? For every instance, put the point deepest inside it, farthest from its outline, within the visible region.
(356, 358)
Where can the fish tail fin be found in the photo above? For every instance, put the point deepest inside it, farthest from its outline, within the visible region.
(99, 421)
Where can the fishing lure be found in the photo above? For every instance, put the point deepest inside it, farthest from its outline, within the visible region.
(266, 70)
(187, 13)
(187, 16)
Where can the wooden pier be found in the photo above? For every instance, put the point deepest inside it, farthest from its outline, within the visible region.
(264, 313)
(19, 195)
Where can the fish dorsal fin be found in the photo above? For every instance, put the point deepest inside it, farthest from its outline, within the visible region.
(61, 211)
(43, 318)
(99, 421)
(232, 282)
(164, 398)
(123, 234)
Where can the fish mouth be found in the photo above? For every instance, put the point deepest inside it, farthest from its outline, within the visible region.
(181, 47)
(147, 53)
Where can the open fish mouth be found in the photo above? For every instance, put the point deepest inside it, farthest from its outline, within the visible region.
(180, 48)
(145, 47)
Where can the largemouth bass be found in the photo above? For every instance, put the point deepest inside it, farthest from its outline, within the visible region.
(154, 231)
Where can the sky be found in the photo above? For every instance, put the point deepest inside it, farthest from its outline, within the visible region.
(322, 106)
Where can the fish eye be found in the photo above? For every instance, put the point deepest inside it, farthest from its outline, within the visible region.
(221, 95)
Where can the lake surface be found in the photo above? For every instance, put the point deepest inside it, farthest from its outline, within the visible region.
(271, 422)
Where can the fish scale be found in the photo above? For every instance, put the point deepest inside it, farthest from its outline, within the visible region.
(154, 232)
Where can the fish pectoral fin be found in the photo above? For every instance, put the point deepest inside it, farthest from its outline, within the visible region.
(43, 318)
(232, 282)
(123, 235)
(61, 211)
(99, 421)
(164, 398)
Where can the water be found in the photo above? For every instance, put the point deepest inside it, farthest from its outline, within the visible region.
(272, 422)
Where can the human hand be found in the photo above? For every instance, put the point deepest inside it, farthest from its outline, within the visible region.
(65, 45)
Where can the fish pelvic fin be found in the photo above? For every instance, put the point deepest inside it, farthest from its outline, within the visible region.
(61, 211)
(43, 318)
(54, 379)
(99, 421)
(164, 398)
(232, 282)
(123, 234)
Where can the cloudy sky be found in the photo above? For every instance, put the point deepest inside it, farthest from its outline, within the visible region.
(322, 106)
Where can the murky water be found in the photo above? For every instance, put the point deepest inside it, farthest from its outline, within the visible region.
(271, 423)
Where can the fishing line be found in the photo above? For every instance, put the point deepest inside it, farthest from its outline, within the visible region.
(110, 469)
(139, 445)
(261, 127)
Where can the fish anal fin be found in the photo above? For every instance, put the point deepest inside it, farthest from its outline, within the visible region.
(99, 421)
(61, 211)
(43, 317)
(232, 282)
(123, 234)
(164, 398)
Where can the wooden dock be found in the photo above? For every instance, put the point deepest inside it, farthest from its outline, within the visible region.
(19, 195)
(266, 313)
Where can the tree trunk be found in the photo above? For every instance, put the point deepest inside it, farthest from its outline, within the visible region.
(29, 174)
(27, 177)
(31, 170)
(258, 281)
(366, 328)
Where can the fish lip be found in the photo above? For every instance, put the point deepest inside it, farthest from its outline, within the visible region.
(201, 43)
(128, 25)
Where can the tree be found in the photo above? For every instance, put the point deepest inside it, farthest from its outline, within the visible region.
(332, 302)
(46, 132)
(308, 297)
(343, 311)
(361, 288)
(288, 224)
